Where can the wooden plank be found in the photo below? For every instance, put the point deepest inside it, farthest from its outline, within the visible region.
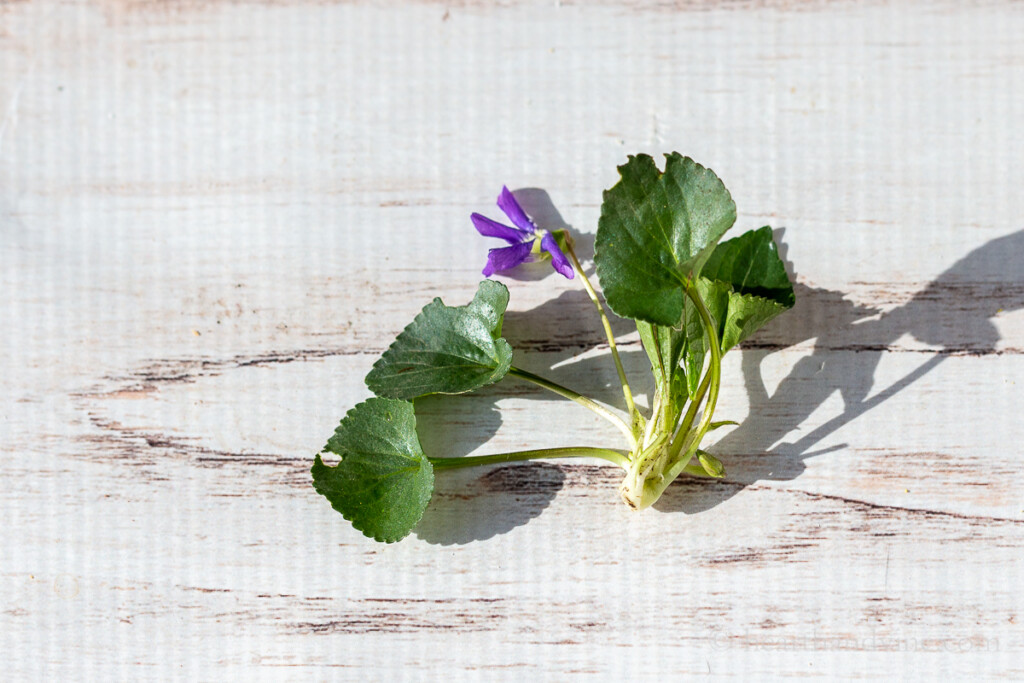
(215, 216)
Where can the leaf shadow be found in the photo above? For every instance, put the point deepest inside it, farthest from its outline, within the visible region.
(453, 426)
(954, 313)
(472, 506)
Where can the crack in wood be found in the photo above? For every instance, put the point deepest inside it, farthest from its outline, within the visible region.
(866, 505)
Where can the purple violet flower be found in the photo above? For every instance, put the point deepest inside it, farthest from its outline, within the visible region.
(522, 239)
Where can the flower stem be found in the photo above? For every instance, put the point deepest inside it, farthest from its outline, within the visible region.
(578, 398)
(570, 452)
(626, 391)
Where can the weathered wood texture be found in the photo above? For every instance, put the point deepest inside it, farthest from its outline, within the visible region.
(215, 215)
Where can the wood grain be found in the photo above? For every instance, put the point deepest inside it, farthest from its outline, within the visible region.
(214, 216)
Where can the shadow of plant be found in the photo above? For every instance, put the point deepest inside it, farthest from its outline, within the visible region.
(952, 313)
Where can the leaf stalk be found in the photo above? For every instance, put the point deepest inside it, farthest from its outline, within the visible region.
(608, 454)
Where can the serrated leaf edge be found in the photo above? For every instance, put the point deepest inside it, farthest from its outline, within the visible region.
(318, 462)
(674, 272)
(499, 371)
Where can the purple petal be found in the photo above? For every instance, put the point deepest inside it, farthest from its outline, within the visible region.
(489, 228)
(558, 259)
(507, 203)
(506, 258)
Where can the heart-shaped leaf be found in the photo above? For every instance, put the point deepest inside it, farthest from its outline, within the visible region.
(383, 482)
(447, 349)
(744, 285)
(655, 232)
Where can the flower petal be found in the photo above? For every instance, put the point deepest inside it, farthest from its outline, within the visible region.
(558, 259)
(490, 228)
(507, 203)
(506, 258)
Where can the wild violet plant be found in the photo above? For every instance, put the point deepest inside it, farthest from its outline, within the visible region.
(660, 262)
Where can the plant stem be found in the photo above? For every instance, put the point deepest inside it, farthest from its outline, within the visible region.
(712, 380)
(691, 412)
(571, 452)
(716, 360)
(578, 398)
(653, 487)
(626, 391)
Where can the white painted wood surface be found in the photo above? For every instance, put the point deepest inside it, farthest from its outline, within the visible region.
(215, 215)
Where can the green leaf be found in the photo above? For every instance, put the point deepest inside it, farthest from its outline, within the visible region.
(383, 482)
(447, 349)
(655, 232)
(761, 289)
(744, 285)
(751, 264)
